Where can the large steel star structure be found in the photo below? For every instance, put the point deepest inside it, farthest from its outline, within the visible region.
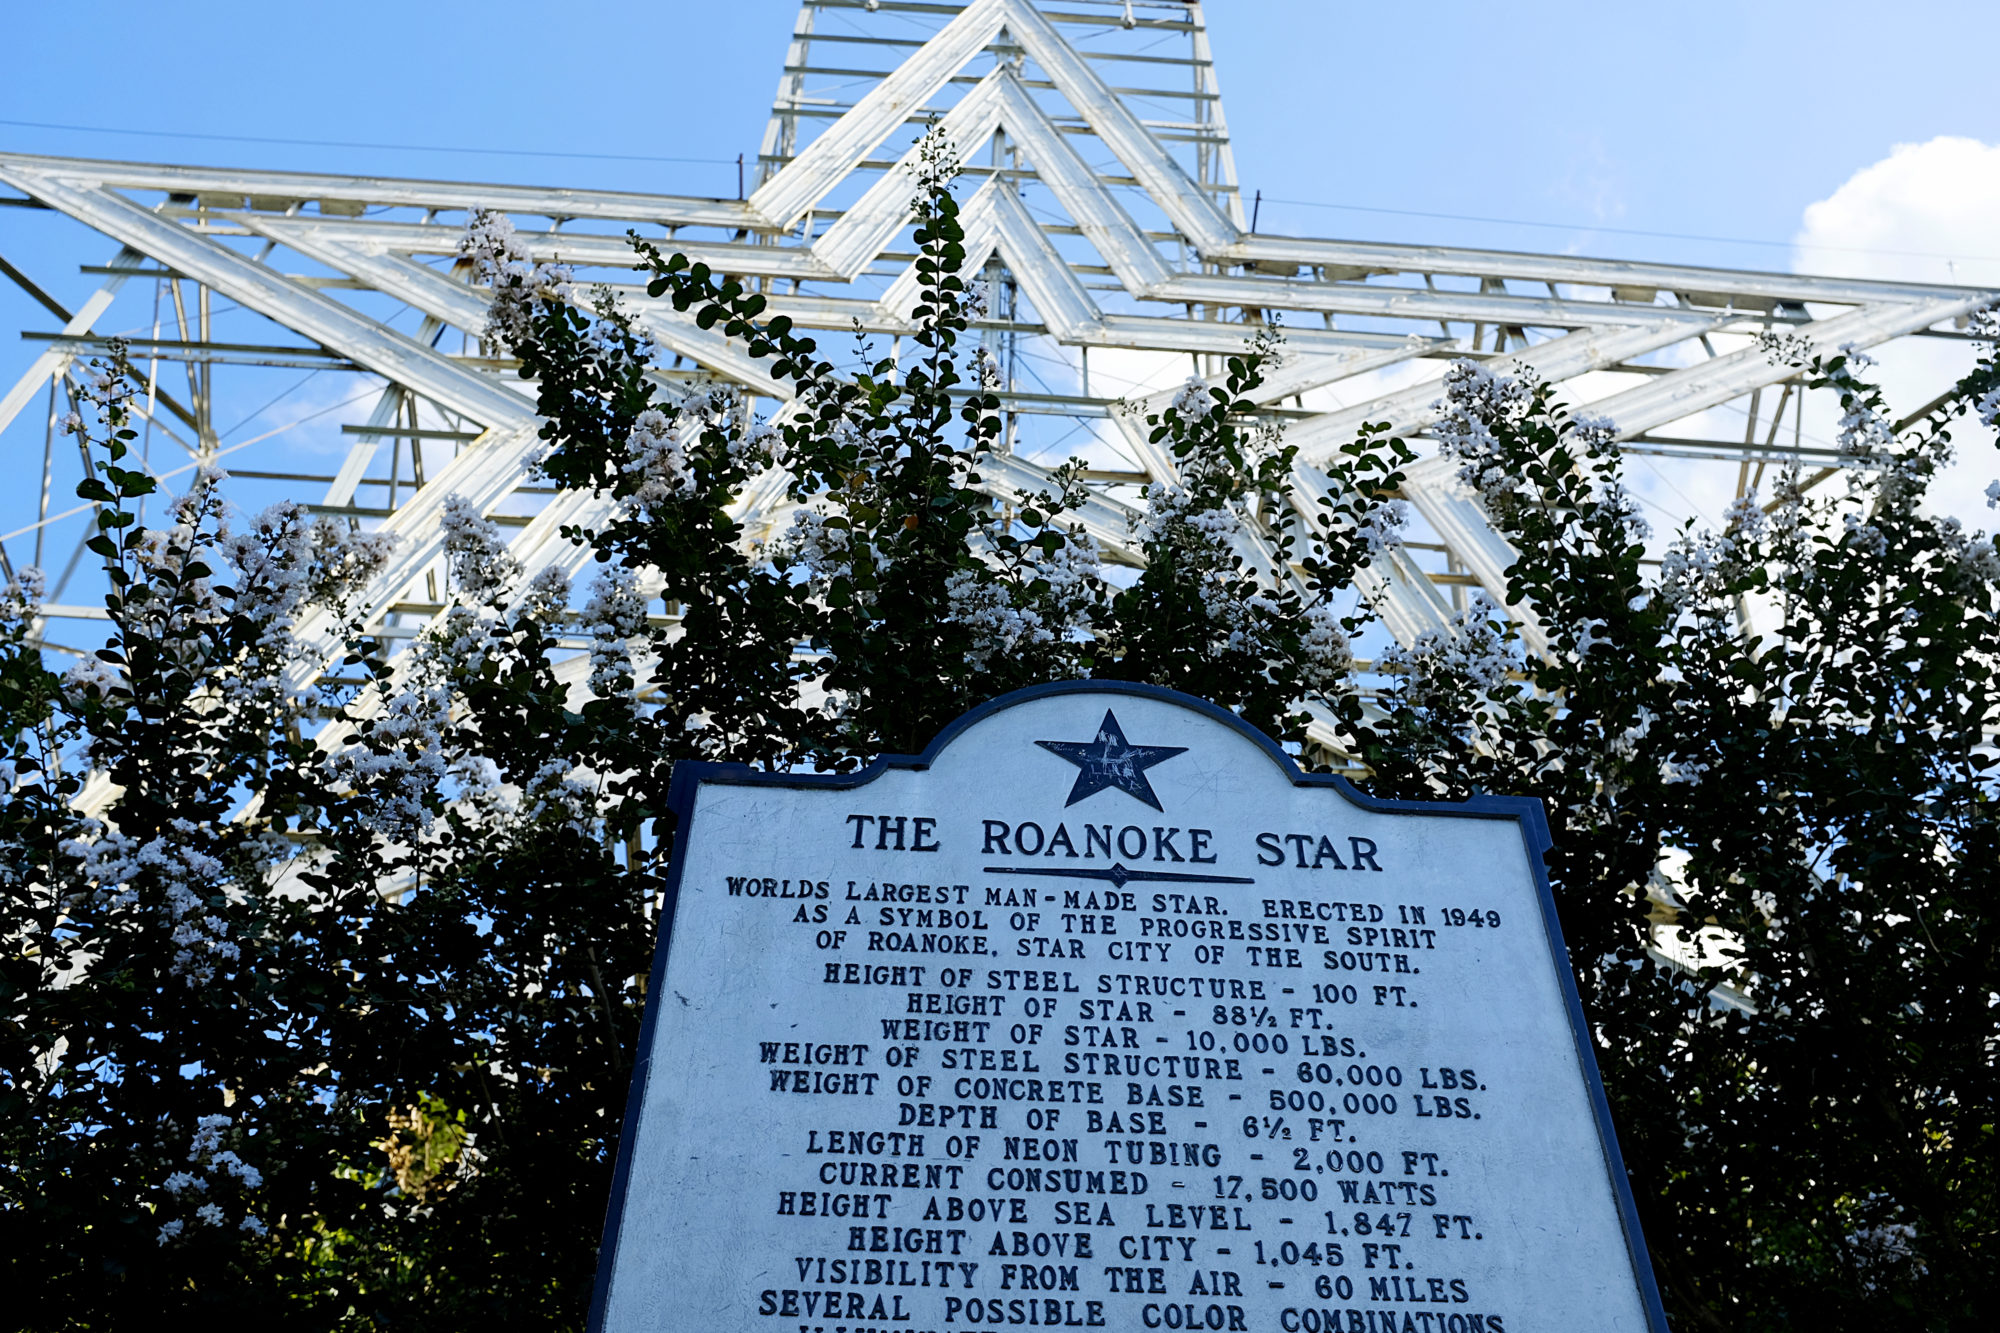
(1101, 202)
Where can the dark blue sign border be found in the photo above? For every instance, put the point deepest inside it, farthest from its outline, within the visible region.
(1524, 810)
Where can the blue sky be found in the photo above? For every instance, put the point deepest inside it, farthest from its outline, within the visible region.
(1722, 120)
(1706, 119)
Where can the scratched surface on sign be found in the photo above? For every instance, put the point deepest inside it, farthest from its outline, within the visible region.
(1103, 1020)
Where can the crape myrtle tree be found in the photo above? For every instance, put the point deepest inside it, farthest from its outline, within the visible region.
(913, 593)
(1769, 769)
(322, 1004)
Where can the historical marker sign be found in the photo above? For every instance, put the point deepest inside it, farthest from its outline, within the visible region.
(1100, 1015)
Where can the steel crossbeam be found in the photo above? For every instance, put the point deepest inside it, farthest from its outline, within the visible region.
(1708, 384)
(286, 190)
(364, 341)
(53, 361)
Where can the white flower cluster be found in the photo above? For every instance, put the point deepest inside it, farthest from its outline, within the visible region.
(1886, 1248)
(656, 456)
(1694, 569)
(1766, 903)
(1072, 572)
(89, 678)
(199, 936)
(978, 299)
(480, 564)
(401, 761)
(1889, 1246)
(546, 595)
(197, 519)
(273, 563)
(21, 598)
(1592, 432)
(213, 1163)
(1992, 491)
(560, 788)
(825, 550)
(1238, 622)
(1864, 536)
(1681, 771)
(1475, 401)
(1204, 539)
(1383, 528)
(345, 559)
(101, 387)
(614, 615)
(660, 450)
(1744, 519)
(1193, 399)
(822, 549)
(1864, 433)
(1975, 555)
(986, 370)
(614, 342)
(481, 783)
(986, 606)
(105, 385)
(460, 644)
(1624, 506)
(1000, 628)
(1469, 651)
(1326, 657)
(283, 560)
(1174, 515)
(760, 443)
(103, 860)
(183, 878)
(519, 284)
(1988, 408)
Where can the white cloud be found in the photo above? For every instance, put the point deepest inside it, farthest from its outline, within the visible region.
(1925, 213)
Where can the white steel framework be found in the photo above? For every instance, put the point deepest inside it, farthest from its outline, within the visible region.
(1101, 203)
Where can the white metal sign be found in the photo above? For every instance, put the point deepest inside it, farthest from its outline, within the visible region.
(1099, 1014)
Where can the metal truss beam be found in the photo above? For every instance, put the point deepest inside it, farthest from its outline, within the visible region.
(1114, 232)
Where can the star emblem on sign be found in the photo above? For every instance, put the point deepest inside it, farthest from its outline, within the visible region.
(1112, 761)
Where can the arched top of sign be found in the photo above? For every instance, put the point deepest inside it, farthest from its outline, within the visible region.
(1485, 806)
